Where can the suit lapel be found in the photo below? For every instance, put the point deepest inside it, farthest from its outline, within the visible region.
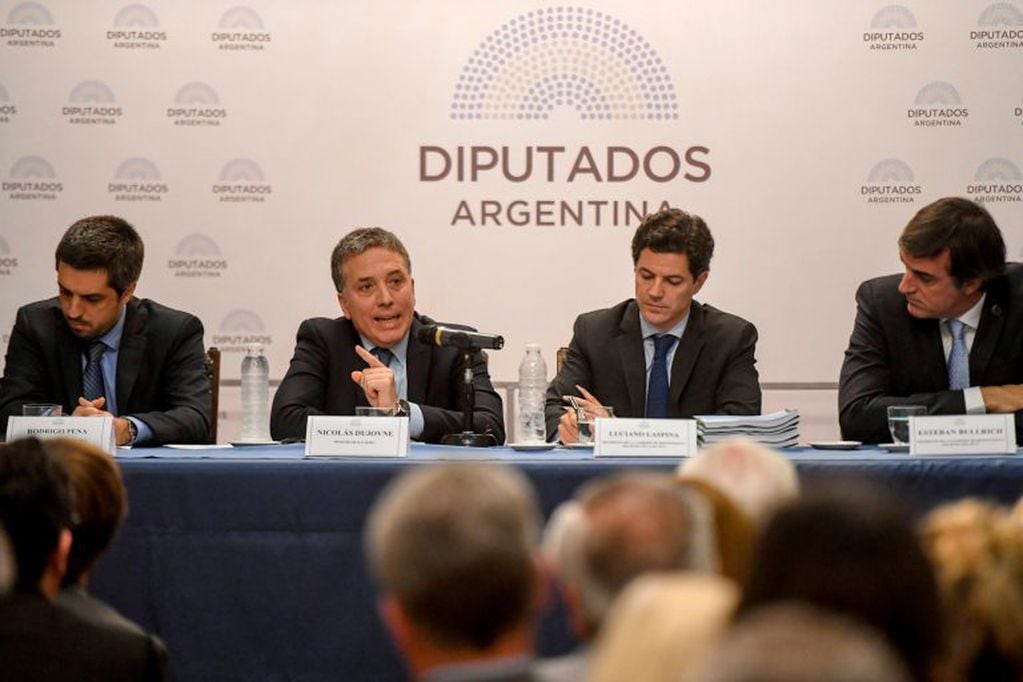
(130, 353)
(417, 358)
(69, 352)
(689, 347)
(928, 354)
(989, 331)
(633, 359)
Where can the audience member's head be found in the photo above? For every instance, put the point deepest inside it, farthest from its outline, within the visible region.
(662, 627)
(851, 550)
(36, 509)
(791, 642)
(453, 548)
(733, 532)
(617, 529)
(101, 504)
(756, 477)
(977, 549)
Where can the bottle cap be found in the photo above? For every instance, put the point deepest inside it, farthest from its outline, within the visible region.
(254, 348)
(533, 346)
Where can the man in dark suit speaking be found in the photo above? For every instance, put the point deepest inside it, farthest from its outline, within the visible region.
(947, 334)
(95, 349)
(372, 355)
(661, 354)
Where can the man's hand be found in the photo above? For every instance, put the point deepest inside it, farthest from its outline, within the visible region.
(1001, 399)
(94, 408)
(376, 381)
(568, 425)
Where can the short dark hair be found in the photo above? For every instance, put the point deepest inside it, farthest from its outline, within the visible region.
(974, 242)
(101, 503)
(104, 242)
(36, 504)
(675, 231)
(359, 240)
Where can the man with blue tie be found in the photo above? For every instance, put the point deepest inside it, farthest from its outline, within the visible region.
(95, 349)
(661, 354)
(947, 334)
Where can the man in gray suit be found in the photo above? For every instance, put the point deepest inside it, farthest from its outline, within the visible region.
(947, 334)
(661, 354)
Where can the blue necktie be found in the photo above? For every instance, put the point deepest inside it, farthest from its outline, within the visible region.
(384, 355)
(958, 358)
(92, 376)
(657, 393)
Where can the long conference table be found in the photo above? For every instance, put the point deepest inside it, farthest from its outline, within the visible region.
(249, 562)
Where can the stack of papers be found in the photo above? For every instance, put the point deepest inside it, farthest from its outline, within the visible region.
(778, 429)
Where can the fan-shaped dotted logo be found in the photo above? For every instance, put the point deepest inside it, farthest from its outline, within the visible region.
(890, 181)
(136, 27)
(92, 103)
(8, 261)
(30, 24)
(580, 59)
(240, 29)
(997, 180)
(198, 256)
(242, 181)
(7, 107)
(32, 178)
(238, 328)
(137, 179)
(196, 104)
(893, 28)
(1000, 28)
(938, 104)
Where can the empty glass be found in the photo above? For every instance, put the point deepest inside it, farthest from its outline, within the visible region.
(898, 421)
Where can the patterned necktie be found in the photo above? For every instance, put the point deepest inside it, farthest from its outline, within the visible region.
(384, 355)
(657, 393)
(92, 375)
(958, 358)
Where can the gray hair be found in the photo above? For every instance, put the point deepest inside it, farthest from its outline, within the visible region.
(358, 241)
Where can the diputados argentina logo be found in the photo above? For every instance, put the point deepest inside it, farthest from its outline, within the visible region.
(937, 105)
(997, 181)
(32, 178)
(551, 59)
(893, 28)
(30, 24)
(242, 181)
(136, 27)
(8, 261)
(8, 109)
(1000, 27)
(238, 329)
(891, 181)
(137, 179)
(241, 29)
(197, 256)
(196, 104)
(91, 103)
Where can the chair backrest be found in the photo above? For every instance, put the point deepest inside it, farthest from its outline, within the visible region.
(213, 374)
(559, 358)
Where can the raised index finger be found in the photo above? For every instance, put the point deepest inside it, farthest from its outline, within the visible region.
(370, 359)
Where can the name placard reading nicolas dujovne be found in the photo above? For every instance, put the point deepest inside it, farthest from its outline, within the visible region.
(98, 431)
(645, 438)
(356, 436)
(974, 434)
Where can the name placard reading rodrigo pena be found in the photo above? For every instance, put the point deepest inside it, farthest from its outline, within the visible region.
(96, 430)
(974, 434)
(645, 438)
(356, 437)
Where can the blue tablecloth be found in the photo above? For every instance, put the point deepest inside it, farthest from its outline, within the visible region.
(249, 562)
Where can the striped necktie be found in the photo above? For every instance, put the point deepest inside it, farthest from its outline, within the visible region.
(92, 375)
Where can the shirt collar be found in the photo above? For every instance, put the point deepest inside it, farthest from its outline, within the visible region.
(399, 350)
(971, 318)
(677, 331)
(112, 339)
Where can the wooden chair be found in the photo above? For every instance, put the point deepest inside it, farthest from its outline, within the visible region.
(559, 358)
(213, 374)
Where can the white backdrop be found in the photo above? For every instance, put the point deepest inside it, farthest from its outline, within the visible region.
(243, 141)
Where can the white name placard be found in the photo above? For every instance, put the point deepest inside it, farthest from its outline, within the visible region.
(96, 430)
(356, 436)
(644, 437)
(974, 434)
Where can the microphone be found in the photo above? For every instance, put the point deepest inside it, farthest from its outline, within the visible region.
(446, 337)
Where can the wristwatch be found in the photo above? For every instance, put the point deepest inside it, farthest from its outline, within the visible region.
(403, 409)
(133, 431)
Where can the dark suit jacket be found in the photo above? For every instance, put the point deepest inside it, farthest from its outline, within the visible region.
(319, 382)
(82, 604)
(161, 374)
(897, 359)
(43, 642)
(713, 372)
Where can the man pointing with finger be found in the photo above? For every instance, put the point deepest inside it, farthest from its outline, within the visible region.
(371, 355)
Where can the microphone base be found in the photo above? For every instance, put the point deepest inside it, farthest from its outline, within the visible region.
(470, 440)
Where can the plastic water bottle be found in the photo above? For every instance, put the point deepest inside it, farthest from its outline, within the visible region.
(532, 395)
(255, 394)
